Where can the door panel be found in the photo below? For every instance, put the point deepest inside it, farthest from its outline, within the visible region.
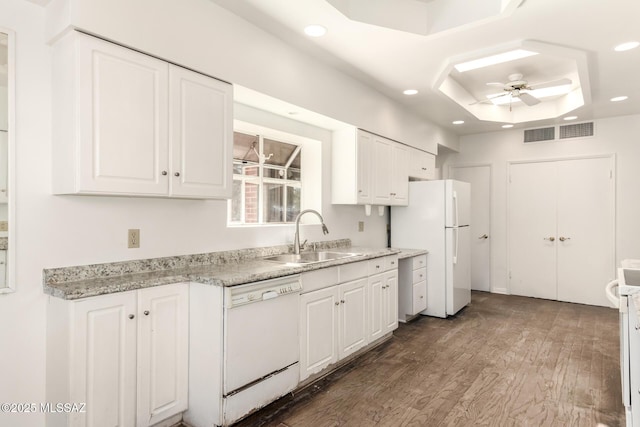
(201, 142)
(480, 216)
(353, 325)
(586, 220)
(319, 330)
(532, 218)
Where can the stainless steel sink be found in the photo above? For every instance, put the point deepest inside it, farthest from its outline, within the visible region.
(309, 257)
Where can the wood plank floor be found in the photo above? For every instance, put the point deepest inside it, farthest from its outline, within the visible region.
(502, 361)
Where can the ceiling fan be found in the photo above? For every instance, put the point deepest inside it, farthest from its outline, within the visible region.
(517, 87)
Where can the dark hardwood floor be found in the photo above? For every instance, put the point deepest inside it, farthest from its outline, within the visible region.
(502, 361)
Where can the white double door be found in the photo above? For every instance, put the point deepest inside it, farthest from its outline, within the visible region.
(561, 229)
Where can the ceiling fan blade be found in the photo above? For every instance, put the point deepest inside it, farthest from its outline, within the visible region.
(528, 99)
(489, 101)
(552, 83)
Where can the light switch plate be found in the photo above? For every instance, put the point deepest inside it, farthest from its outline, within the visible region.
(360, 225)
(133, 239)
(4, 226)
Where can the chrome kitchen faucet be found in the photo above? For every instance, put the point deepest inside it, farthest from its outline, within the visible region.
(296, 239)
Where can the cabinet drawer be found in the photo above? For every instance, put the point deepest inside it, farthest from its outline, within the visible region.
(419, 275)
(419, 297)
(390, 262)
(419, 261)
(376, 266)
(318, 279)
(353, 271)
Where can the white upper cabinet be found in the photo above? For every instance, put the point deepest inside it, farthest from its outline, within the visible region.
(352, 167)
(201, 156)
(368, 169)
(422, 165)
(400, 176)
(126, 123)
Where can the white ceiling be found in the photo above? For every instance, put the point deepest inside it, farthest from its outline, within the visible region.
(391, 60)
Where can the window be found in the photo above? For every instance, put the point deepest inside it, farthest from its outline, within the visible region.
(267, 177)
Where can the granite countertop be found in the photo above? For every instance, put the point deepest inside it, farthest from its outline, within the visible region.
(408, 253)
(227, 268)
(4, 243)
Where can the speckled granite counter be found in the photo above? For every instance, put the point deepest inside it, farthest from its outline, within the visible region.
(4, 243)
(408, 253)
(226, 268)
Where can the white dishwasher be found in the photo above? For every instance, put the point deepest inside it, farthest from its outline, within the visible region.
(261, 344)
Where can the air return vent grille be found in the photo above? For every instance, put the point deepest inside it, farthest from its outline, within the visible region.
(541, 134)
(578, 130)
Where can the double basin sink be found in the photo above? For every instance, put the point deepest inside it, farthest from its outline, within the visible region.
(309, 257)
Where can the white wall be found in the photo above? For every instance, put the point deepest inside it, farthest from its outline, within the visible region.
(55, 231)
(201, 35)
(615, 135)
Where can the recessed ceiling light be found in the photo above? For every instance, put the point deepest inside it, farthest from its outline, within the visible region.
(507, 126)
(494, 59)
(618, 98)
(458, 122)
(315, 30)
(410, 92)
(570, 118)
(626, 46)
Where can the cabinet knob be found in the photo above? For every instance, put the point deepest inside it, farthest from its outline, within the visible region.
(359, 191)
(164, 173)
(421, 296)
(637, 327)
(146, 312)
(131, 316)
(424, 169)
(342, 301)
(177, 174)
(337, 303)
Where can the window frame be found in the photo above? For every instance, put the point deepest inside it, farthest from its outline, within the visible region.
(263, 133)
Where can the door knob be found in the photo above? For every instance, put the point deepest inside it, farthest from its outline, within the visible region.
(562, 239)
(551, 239)
(484, 236)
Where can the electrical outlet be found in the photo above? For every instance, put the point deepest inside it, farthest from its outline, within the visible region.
(360, 225)
(4, 226)
(133, 238)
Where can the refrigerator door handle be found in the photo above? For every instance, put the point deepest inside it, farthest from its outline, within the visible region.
(455, 243)
(455, 209)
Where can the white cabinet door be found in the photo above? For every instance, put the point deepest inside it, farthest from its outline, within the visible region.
(122, 120)
(382, 170)
(400, 176)
(201, 135)
(422, 165)
(390, 301)
(364, 167)
(319, 315)
(634, 359)
(163, 350)
(353, 317)
(376, 310)
(103, 353)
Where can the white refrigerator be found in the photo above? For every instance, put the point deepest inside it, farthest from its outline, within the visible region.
(437, 219)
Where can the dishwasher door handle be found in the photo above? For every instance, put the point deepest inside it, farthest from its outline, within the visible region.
(269, 295)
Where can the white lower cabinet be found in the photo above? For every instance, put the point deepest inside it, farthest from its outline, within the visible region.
(412, 286)
(333, 325)
(338, 319)
(124, 355)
